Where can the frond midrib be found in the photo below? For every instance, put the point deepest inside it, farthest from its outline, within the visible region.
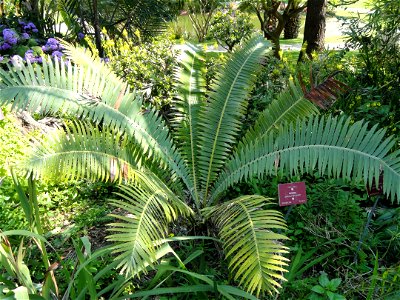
(219, 125)
(25, 86)
(274, 153)
(192, 137)
(253, 234)
(141, 219)
(136, 126)
(273, 124)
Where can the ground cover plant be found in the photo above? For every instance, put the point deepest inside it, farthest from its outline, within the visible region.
(187, 169)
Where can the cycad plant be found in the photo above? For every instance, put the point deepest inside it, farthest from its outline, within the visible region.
(185, 169)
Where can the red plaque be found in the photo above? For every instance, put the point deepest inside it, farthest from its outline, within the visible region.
(292, 193)
(375, 190)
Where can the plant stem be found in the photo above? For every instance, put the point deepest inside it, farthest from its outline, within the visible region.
(366, 228)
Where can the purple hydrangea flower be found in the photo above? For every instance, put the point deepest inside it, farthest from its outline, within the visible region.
(39, 59)
(35, 30)
(13, 41)
(5, 46)
(27, 27)
(80, 36)
(29, 56)
(105, 60)
(52, 41)
(53, 47)
(31, 25)
(22, 23)
(1, 58)
(45, 48)
(57, 54)
(8, 33)
(25, 36)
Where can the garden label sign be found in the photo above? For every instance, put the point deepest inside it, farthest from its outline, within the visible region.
(292, 193)
(376, 190)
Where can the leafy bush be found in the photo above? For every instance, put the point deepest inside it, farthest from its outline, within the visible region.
(13, 146)
(326, 289)
(272, 79)
(148, 67)
(376, 86)
(229, 26)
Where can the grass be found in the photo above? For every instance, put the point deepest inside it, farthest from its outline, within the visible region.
(183, 28)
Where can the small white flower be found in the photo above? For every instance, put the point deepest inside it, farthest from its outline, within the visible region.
(18, 62)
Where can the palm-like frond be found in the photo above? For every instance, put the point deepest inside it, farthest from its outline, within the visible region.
(56, 86)
(250, 243)
(83, 151)
(288, 107)
(190, 85)
(150, 207)
(84, 58)
(87, 93)
(148, 16)
(221, 119)
(329, 145)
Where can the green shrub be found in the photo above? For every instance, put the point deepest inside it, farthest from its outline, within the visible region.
(376, 88)
(148, 67)
(271, 80)
(229, 26)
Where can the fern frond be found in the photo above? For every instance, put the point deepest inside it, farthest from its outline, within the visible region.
(331, 146)
(190, 85)
(221, 119)
(83, 151)
(149, 208)
(53, 88)
(288, 107)
(246, 229)
(56, 87)
(84, 58)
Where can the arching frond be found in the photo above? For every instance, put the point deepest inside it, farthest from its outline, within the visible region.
(149, 208)
(54, 88)
(83, 151)
(190, 85)
(329, 145)
(221, 119)
(84, 58)
(288, 107)
(247, 230)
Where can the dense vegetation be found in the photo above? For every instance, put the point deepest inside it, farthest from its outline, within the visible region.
(135, 165)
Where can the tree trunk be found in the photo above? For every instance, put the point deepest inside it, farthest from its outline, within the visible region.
(292, 28)
(314, 30)
(97, 29)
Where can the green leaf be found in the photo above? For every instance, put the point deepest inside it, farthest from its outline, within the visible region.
(149, 208)
(170, 290)
(286, 108)
(255, 254)
(323, 280)
(21, 293)
(334, 296)
(231, 290)
(93, 93)
(318, 289)
(221, 119)
(333, 284)
(332, 146)
(189, 101)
